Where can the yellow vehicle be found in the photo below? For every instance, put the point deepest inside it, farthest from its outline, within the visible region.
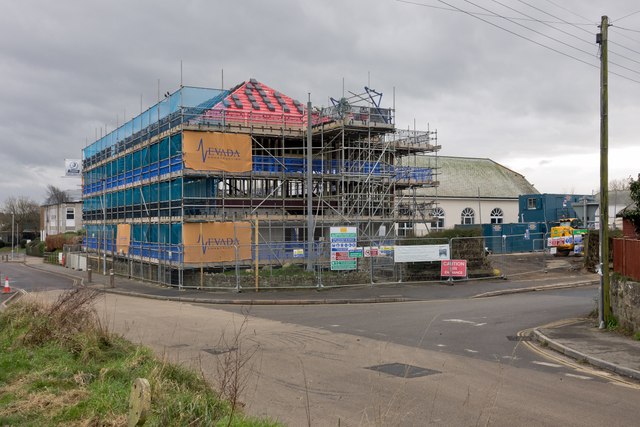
(567, 237)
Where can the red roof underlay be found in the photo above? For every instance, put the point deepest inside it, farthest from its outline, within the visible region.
(240, 106)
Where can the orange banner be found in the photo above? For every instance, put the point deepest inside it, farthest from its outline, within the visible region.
(215, 151)
(216, 241)
(123, 238)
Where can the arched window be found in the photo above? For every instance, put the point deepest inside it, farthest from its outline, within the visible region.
(468, 216)
(497, 216)
(438, 218)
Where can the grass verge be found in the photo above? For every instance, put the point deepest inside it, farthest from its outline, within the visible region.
(60, 366)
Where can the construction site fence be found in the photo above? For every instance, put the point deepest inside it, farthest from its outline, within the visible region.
(284, 265)
(13, 256)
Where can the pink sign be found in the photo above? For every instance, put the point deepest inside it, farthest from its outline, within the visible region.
(453, 268)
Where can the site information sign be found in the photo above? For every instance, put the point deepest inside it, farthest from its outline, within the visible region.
(453, 268)
(344, 241)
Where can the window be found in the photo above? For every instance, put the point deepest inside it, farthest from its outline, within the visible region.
(438, 215)
(71, 214)
(531, 203)
(497, 216)
(467, 217)
(405, 229)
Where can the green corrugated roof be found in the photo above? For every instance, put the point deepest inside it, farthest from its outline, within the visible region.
(464, 176)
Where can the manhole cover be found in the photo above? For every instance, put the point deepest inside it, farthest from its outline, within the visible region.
(403, 370)
(218, 351)
(519, 338)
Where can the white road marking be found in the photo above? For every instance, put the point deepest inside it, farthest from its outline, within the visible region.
(459, 321)
(511, 357)
(551, 365)
(441, 345)
(335, 326)
(580, 377)
(468, 322)
(470, 351)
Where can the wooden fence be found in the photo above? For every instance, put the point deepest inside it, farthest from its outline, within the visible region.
(626, 257)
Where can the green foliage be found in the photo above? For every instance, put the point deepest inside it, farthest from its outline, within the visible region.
(442, 236)
(35, 248)
(58, 366)
(633, 214)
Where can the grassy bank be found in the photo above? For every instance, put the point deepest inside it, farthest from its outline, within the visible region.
(60, 366)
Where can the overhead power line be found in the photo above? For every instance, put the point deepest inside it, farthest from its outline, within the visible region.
(480, 17)
(567, 10)
(626, 16)
(543, 22)
(530, 29)
(558, 21)
(451, 9)
(583, 29)
(626, 29)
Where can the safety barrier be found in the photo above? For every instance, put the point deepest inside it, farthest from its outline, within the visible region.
(233, 263)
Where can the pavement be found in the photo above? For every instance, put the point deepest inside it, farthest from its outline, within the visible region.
(580, 339)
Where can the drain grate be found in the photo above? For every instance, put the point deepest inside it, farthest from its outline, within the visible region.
(403, 370)
(519, 338)
(218, 351)
(179, 345)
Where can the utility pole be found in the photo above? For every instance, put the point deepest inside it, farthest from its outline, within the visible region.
(309, 190)
(12, 237)
(604, 306)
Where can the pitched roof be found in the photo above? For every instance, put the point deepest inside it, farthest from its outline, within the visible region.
(256, 100)
(617, 197)
(467, 176)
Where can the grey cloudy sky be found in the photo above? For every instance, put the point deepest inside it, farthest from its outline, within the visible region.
(71, 67)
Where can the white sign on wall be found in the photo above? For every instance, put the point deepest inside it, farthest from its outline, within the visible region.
(421, 253)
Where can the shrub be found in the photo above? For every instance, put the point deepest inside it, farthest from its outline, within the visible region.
(56, 242)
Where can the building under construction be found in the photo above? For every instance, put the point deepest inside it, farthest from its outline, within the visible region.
(207, 179)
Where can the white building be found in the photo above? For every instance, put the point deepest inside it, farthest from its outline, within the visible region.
(62, 217)
(470, 191)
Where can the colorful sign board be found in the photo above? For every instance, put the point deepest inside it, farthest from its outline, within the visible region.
(216, 241)
(298, 253)
(371, 251)
(356, 253)
(217, 151)
(560, 241)
(344, 242)
(453, 268)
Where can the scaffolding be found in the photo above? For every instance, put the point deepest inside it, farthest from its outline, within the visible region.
(137, 175)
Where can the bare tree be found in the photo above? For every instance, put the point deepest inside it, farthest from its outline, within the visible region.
(56, 196)
(25, 213)
(619, 184)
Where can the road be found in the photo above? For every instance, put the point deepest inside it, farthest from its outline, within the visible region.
(338, 364)
(33, 280)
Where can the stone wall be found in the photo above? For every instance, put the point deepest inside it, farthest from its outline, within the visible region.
(625, 302)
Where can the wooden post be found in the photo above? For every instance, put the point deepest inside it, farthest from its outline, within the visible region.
(257, 253)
